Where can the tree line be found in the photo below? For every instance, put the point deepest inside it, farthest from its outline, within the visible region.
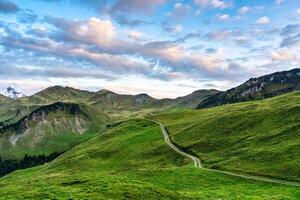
(10, 165)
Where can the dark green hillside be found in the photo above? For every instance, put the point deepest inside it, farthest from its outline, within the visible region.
(257, 88)
(131, 161)
(259, 137)
(3, 98)
(57, 93)
(108, 100)
(50, 128)
(193, 99)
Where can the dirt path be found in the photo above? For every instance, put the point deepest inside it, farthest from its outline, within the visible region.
(198, 164)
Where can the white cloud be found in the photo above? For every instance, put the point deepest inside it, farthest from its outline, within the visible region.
(181, 10)
(92, 30)
(244, 10)
(263, 20)
(178, 28)
(284, 55)
(224, 17)
(135, 35)
(220, 4)
(134, 6)
(298, 10)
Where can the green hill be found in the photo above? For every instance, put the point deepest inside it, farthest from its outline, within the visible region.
(58, 93)
(111, 101)
(3, 98)
(258, 137)
(189, 101)
(105, 106)
(50, 128)
(257, 88)
(131, 161)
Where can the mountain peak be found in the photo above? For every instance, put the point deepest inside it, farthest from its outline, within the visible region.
(105, 91)
(11, 92)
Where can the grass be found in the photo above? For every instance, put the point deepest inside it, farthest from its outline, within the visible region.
(58, 132)
(259, 137)
(131, 161)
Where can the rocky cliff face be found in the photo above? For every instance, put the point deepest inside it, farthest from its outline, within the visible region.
(40, 115)
(257, 88)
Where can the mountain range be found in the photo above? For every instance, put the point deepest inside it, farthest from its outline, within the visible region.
(257, 88)
(111, 145)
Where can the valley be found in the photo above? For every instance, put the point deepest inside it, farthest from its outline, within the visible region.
(134, 146)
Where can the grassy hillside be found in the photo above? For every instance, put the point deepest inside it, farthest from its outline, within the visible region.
(51, 128)
(189, 101)
(57, 93)
(131, 161)
(259, 137)
(257, 88)
(3, 98)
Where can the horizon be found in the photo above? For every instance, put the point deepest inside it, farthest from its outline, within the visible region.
(134, 94)
(165, 49)
(3, 92)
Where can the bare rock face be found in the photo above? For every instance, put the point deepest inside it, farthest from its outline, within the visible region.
(257, 88)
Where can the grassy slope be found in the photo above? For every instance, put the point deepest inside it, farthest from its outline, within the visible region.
(58, 133)
(260, 137)
(131, 161)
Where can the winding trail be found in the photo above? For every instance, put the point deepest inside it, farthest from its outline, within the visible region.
(197, 163)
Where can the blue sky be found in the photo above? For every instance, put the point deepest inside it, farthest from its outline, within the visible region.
(161, 47)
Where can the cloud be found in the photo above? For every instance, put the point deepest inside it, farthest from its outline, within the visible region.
(290, 40)
(220, 4)
(219, 35)
(126, 21)
(172, 28)
(27, 16)
(224, 17)
(84, 43)
(263, 20)
(290, 29)
(243, 10)
(291, 35)
(92, 30)
(279, 2)
(57, 72)
(8, 7)
(180, 10)
(284, 55)
(135, 35)
(298, 11)
(135, 6)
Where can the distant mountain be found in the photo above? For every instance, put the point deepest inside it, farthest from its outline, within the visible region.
(2, 97)
(59, 93)
(257, 88)
(127, 102)
(110, 100)
(11, 92)
(193, 99)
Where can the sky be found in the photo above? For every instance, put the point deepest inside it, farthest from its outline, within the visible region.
(165, 48)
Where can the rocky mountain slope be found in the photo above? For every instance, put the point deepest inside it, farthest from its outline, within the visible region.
(257, 88)
(47, 129)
